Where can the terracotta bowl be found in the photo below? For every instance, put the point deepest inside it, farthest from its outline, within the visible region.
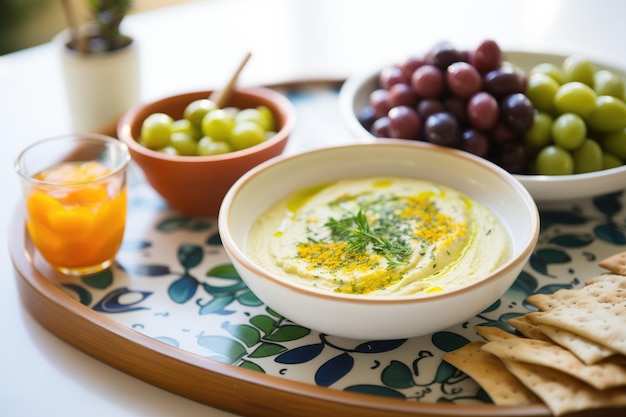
(196, 185)
(369, 316)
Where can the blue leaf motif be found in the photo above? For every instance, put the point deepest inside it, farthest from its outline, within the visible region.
(224, 289)
(214, 240)
(168, 340)
(553, 256)
(378, 346)
(248, 298)
(99, 280)
(173, 223)
(200, 225)
(113, 301)
(190, 256)
(448, 341)
(525, 284)
(147, 270)
(548, 218)
(493, 306)
(610, 233)
(609, 204)
(445, 371)
(84, 296)
(375, 390)
(301, 354)
(224, 346)
(181, 290)
(572, 240)
(216, 305)
(397, 375)
(334, 369)
(542, 258)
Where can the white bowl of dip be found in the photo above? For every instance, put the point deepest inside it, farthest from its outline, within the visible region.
(340, 291)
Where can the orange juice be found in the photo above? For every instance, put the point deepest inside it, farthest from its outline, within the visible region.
(77, 214)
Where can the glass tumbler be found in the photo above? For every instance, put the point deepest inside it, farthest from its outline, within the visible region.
(75, 193)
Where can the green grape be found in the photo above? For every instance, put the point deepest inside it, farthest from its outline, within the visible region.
(156, 130)
(554, 160)
(539, 134)
(169, 150)
(610, 161)
(184, 143)
(218, 124)
(575, 97)
(268, 115)
(231, 111)
(255, 116)
(207, 146)
(606, 83)
(588, 157)
(541, 90)
(615, 144)
(197, 109)
(609, 115)
(185, 126)
(576, 68)
(569, 131)
(553, 71)
(246, 134)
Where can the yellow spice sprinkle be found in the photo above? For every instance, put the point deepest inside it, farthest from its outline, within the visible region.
(432, 225)
(335, 256)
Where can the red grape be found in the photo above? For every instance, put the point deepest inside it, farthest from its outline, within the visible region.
(457, 107)
(487, 56)
(443, 54)
(380, 128)
(463, 79)
(428, 106)
(476, 142)
(410, 65)
(517, 112)
(504, 81)
(442, 129)
(501, 133)
(427, 81)
(512, 157)
(404, 123)
(402, 94)
(366, 117)
(379, 100)
(482, 111)
(391, 75)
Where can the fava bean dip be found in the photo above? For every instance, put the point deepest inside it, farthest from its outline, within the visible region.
(379, 236)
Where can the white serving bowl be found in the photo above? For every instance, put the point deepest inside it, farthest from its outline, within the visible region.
(371, 317)
(354, 95)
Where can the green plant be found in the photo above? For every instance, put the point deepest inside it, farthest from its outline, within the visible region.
(108, 16)
(102, 33)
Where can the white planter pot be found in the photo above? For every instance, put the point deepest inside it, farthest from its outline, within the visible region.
(100, 87)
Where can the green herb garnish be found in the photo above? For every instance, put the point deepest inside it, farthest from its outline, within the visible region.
(384, 237)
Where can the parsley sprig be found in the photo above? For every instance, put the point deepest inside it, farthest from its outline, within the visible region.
(384, 237)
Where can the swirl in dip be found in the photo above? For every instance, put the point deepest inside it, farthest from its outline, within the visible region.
(379, 236)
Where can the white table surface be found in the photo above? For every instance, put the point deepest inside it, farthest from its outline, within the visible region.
(195, 46)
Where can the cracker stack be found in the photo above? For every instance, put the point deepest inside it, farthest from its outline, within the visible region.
(572, 355)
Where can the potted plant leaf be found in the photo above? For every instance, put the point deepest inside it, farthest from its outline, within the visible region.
(100, 64)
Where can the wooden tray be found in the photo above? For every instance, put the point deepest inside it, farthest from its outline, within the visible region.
(143, 318)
